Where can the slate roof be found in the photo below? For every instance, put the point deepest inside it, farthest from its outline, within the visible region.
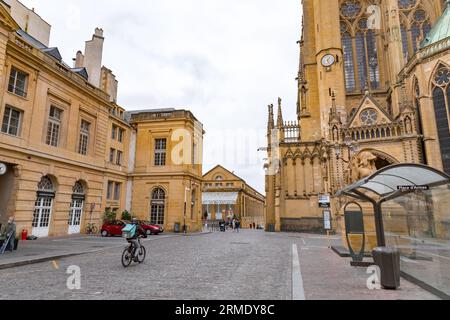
(440, 30)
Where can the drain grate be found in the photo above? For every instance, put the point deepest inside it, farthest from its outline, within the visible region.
(241, 243)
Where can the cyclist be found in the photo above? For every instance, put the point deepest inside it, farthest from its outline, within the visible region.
(140, 232)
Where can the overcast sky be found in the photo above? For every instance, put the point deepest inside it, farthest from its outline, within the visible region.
(225, 60)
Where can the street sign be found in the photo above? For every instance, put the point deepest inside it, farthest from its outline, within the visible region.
(413, 188)
(324, 201)
(327, 224)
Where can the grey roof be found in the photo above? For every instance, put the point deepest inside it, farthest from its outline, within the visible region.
(82, 72)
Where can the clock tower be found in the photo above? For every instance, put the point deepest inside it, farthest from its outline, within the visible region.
(321, 73)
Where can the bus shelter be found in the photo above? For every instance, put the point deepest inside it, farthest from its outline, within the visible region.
(411, 206)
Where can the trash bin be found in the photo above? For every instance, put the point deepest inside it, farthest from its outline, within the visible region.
(177, 228)
(388, 260)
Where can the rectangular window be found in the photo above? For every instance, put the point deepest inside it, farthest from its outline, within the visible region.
(84, 138)
(11, 121)
(160, 152)
(54, 127)
(112, 155)
(119, 160)
(120, 136)
(114, 132)
(117, 188)
(18, 82)
(109, 192)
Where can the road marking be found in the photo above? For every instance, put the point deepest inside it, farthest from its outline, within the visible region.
(298, 291)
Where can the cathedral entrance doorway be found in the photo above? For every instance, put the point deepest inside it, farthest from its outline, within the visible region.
(7, 183)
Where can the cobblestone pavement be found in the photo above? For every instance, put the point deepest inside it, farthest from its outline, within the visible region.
(221, 266)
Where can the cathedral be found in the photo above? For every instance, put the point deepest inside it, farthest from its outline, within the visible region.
(373, 91)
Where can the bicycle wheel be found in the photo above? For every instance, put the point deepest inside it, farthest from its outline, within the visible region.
(142, 254)
(127, 258)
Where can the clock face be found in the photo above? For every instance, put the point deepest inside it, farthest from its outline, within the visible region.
(2, 169)
(328, 60)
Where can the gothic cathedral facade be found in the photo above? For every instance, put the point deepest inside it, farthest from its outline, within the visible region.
(373, 90)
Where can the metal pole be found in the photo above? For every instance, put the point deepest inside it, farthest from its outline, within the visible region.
(381, 239)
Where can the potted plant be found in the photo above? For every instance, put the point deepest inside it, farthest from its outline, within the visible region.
(109, 216)
(127, 216)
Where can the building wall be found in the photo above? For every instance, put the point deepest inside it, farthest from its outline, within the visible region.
(30, 21)
(250, 205)
(181, 130)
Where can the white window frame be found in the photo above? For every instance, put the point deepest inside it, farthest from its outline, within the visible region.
(53, 128)
(13, 83)
(83, 147)
(8, 124)
(160, 153)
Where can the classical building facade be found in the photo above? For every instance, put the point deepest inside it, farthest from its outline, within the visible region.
(225, 195)
(70, 151)
(373, 90)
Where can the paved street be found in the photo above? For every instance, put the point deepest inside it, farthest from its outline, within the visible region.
(221, 266)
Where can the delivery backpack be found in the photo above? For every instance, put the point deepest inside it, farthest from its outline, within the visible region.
(129, 231)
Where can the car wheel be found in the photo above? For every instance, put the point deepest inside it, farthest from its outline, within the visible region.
(149, 232)
(104, 233)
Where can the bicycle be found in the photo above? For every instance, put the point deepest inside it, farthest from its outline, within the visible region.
(91, 229)
(129, 254)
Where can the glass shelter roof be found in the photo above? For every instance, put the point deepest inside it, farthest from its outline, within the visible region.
(396, 180)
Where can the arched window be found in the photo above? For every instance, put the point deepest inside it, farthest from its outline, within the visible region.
(158, 206)
(415, 25)
(43, 207)
(441, 100)
(76, 208)
(360, 49)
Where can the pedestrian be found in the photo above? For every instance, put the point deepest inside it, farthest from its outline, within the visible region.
(237, 225)
(10, 234)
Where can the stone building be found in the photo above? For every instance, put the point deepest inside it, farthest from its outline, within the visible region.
(69, 149)
(373, 90)
(225, 195)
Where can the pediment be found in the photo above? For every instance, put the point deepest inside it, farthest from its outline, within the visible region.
(224, 173)
(6, 21)
(369, 113)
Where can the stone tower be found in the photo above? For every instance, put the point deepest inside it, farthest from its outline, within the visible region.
(353, 100)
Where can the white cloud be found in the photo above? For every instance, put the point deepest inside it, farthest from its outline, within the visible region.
(225, 60)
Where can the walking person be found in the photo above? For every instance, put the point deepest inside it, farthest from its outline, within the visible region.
(237, 225)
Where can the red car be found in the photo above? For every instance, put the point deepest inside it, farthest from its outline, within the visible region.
(150, 228)
(113, 228)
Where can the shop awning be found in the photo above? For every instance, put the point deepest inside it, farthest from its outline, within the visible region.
(217, 198)
(396, 180)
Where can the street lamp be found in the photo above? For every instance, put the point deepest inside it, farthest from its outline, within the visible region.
(352, 148)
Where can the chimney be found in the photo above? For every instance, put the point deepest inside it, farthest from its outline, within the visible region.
(79, 60)
(109, 84)
(93, 54)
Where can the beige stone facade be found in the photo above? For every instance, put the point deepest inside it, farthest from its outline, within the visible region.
(367, 99)
(225, 195)
(72, 153)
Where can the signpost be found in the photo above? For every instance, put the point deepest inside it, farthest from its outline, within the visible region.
(327, 224)
(324, 201)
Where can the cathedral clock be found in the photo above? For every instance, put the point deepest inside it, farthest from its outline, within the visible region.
(328, 60)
